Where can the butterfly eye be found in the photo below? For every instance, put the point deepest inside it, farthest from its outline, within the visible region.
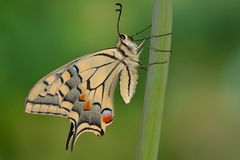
(122, 37)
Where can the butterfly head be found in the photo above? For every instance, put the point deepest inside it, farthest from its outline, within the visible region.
(126, 44)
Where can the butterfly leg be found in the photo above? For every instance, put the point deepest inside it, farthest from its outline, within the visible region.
(158, 50)
(145, 66)
(154, 36)
(160, 35)
(150, 47)
(144, 29)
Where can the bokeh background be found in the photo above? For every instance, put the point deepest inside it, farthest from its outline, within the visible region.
(202, 113)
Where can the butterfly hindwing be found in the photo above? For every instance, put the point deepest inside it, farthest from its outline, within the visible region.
(80, 91)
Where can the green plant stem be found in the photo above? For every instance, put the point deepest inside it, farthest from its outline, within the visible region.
(156, 82)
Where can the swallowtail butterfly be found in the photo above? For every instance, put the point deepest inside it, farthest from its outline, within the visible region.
(82, 90)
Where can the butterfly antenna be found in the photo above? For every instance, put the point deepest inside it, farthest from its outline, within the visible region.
(119, 16)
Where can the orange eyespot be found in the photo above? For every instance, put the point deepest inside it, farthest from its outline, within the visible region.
(107, 116)
(87, 105)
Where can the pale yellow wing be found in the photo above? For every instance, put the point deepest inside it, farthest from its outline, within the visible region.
(81, 91)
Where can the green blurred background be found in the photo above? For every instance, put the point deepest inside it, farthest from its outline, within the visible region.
(201, 118)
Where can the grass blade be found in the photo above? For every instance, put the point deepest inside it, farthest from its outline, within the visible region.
(156, 82)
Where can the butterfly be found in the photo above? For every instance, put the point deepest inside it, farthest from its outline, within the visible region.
(82, 90)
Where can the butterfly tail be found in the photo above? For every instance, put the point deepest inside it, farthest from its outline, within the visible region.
(73, 139)
(70, 134)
